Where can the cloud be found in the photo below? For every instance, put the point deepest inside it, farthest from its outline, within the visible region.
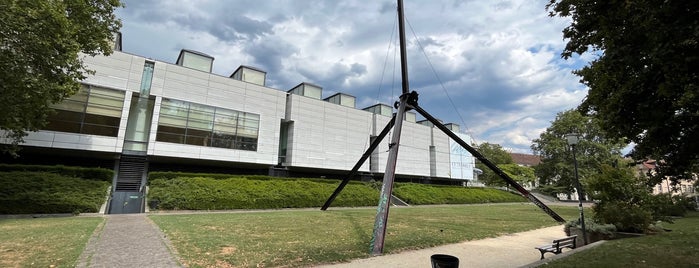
(498, 63)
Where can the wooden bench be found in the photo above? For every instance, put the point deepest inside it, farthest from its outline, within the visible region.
(557, 246)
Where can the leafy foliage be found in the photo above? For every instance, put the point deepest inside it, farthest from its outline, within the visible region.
(99, 174)
(40, 42)
(498, 156)
(201, 193)
(523, 175)
(644, 86)
(594, 149)
(421, 194)
(43, 192)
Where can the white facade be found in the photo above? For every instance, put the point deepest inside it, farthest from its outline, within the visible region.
(292, 131)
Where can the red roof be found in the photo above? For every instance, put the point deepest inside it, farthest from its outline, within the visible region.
(526, 159)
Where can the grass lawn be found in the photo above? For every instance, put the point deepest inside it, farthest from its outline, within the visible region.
(678, 248)
(44, 242)
(302, 238)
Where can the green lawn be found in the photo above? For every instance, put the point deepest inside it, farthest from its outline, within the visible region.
(302, 238)
(678, 248)
(44, 242)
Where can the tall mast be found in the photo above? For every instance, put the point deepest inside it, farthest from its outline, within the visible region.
(403, 50)
(377, 240)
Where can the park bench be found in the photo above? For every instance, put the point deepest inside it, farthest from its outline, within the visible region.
(557, 246)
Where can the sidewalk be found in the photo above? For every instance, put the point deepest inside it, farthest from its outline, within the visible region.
(512, 250)
(127, 240)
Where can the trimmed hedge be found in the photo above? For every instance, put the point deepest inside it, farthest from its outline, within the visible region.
(98, 174)
(259, 192)
(423, 194)
(45, 192)
(169, 175)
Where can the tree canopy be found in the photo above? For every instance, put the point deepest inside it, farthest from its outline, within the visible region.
(498, 156)
(40, 64)
(593, 150)
(644, 86)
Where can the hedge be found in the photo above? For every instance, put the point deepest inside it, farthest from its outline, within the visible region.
(45, 192)
(169, 175)
(200, 193)
(98, 174)
(424, 194)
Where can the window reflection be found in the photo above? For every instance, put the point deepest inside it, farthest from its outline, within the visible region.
(203, 125)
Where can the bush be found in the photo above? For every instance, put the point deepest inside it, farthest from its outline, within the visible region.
(623, 200)
(551, 190)
(201, 193)
(98, 174)
(422, 194)
(665, 206)
(606, 230)
(44, 192)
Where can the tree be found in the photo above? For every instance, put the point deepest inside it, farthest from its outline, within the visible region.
(40, 64)
(498, 156)
(523, 175)
(594, 149)
(644, 86)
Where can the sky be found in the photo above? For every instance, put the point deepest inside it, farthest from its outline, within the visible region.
(492, 67)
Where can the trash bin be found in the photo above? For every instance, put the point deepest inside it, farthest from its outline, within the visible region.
(444, 261)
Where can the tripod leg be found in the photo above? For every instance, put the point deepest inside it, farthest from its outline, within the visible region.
(489, 164)
(359, 163)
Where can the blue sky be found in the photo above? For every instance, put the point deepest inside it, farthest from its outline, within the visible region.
(498, 61)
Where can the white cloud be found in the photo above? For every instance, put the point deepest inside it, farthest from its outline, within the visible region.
(498, 61)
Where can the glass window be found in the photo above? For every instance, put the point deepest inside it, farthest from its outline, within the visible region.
(92, 110)
(198, 62)
(311, 91)
(203, 125)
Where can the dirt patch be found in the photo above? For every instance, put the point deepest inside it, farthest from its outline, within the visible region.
(228, 250)
(10, 257)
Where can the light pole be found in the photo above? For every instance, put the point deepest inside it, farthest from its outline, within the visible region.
(573, 139)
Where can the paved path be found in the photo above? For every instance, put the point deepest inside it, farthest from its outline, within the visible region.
(512, 250)
(127, 240)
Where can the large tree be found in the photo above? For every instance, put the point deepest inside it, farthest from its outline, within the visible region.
(498, 156)
(40, 48)
(593, 151)
(644, 85)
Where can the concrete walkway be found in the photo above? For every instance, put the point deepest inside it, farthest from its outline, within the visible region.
(512, 250)
(127, 240)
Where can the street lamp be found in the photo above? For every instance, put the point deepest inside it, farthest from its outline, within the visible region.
(573, 140)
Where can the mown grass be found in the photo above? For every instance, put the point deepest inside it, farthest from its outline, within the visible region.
(44, 242)
(303, 238)
(678, 248)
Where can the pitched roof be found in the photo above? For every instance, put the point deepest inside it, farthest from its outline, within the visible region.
(525, 159)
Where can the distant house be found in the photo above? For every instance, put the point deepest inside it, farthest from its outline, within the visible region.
(684, 187)
(526, 160)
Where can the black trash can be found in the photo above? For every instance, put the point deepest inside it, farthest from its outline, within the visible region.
(444, 261)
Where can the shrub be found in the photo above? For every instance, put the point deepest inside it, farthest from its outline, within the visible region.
(622, 200)
(422, 194)
(98, 174)
(201, 193)
(591, 227)
(44, 192)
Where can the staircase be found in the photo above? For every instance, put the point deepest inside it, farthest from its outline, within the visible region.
(130, 173)
(128, 195)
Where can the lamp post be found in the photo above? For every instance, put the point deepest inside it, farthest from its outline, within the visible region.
(573, 140)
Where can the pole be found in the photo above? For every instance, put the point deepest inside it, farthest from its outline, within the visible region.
(379, 234)
(580, 197)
